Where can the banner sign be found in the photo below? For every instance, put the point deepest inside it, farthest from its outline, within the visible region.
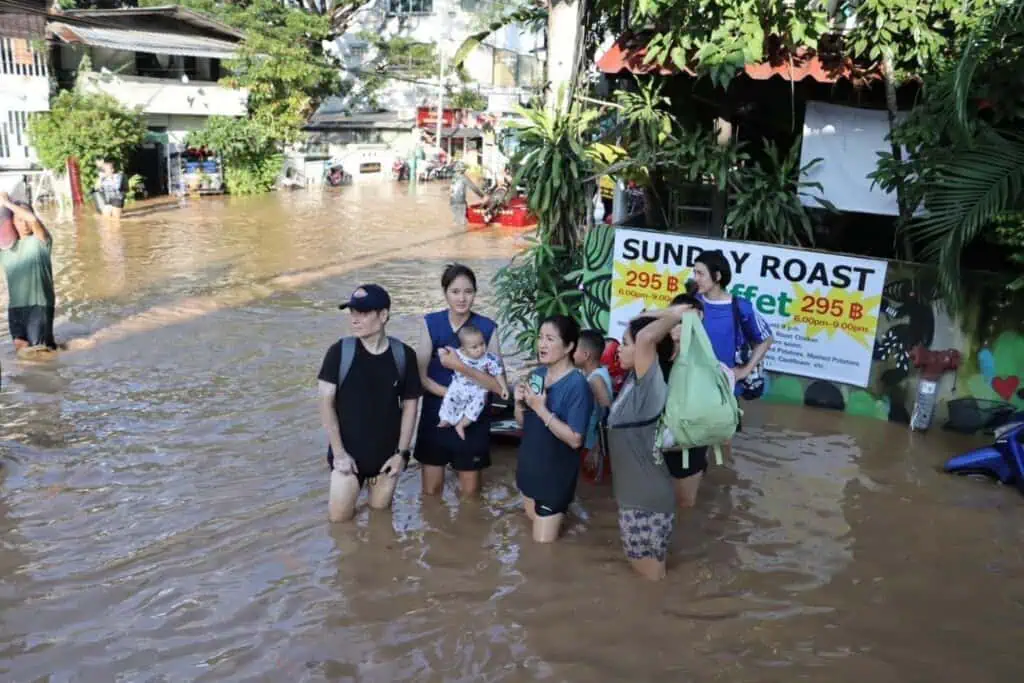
(822, 308)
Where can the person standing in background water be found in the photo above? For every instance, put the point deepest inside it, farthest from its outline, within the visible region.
(29, 270)
(438, 447)
(112, 189)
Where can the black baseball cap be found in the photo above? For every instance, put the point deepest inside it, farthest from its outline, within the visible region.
(368, 298)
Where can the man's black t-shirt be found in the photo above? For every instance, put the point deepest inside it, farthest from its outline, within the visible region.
(368, 403)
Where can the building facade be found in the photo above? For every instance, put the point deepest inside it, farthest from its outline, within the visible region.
(506, 68)
(24, 86)
(165, 61)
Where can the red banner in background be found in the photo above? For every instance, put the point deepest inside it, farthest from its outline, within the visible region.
(426, 117)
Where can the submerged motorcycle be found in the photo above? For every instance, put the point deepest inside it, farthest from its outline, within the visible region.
(1002, 460)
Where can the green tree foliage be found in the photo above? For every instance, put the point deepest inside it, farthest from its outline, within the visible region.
(467, 98)
(88, 127)
(719, 37)
(966, 148)
(919, 36)
(554, 165)
(395, 57)
(1009, 233)
(252, 157)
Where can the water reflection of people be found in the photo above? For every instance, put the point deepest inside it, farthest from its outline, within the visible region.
(438, 447)
(554, 412)
(370, 413)
(29, 270)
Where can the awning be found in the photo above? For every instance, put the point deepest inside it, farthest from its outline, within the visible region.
(462, 133)
(144, 41)
(627, 55)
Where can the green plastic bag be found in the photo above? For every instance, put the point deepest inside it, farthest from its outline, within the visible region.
(701, 409)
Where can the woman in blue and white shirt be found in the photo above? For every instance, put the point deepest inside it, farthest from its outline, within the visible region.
(730, 326)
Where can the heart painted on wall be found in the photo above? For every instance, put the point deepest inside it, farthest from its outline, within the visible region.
(1006, 386)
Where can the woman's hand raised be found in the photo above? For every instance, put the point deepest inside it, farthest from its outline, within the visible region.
(536, 401)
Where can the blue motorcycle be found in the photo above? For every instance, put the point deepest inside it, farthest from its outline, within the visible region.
(1002, 460)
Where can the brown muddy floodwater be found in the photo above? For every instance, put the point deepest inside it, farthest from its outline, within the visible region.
(163, 511)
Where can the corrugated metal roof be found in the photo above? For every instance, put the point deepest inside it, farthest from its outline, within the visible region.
(145, 41)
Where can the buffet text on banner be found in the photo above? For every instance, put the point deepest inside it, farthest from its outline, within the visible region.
(823, 308)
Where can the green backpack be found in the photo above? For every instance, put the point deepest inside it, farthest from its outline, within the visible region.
(701, 409)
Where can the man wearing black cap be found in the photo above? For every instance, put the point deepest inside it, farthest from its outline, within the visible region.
(29, 271)
(369, 390)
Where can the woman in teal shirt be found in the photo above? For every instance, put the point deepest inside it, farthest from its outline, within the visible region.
(29, 272)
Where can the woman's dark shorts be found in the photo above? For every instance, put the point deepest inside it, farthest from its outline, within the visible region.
(698, 460)
(34, 324)
(442, 446)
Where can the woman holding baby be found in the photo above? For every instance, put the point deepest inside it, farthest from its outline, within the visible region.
(458, 352)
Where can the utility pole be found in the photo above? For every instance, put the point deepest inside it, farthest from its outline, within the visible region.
(440, 98)
(441, 45)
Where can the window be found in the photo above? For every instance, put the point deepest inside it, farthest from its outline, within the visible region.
(356, 136)
(13, 140)
(504, 68)
(405, 7)
(529, 72)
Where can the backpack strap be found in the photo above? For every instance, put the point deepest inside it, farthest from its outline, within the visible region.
(716, 450)
(739, 334)
(636, 425)
(398, 351)
(348, 354)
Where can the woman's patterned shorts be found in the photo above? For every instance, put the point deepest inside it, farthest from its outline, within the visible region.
(645, 534)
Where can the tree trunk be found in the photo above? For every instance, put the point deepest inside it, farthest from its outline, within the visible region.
(563, 23)
(889, 72)
(720, 198)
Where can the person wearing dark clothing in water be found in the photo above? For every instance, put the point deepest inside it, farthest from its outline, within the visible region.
(438, 447)
(369, 392)
(29, 270)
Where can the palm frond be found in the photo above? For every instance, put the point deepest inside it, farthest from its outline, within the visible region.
(530, 15)
(982, 46)
(962, 198)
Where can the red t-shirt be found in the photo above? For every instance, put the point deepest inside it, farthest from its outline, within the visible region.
(610, 359)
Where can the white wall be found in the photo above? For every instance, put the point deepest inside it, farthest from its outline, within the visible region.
(24, 93)
(164, 96)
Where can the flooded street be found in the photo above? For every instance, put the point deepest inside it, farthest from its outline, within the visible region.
(163, 498)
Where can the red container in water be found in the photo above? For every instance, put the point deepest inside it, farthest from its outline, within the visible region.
(475, 215)
(517, 215)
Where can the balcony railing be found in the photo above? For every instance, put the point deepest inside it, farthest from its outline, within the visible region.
(18, 58)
